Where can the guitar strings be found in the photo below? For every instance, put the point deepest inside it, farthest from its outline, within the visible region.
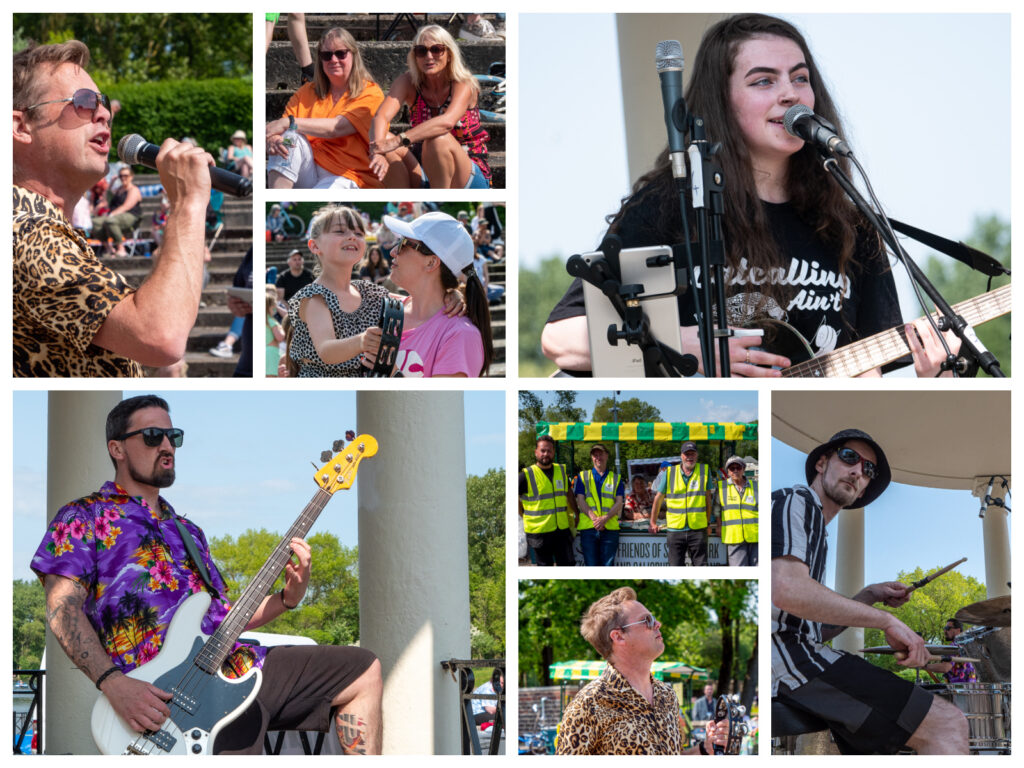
(196, 678)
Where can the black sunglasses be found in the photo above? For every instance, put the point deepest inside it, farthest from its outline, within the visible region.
(416, 245)
(341, 54)
(422, 50)
(154, 436)
(83, 98)
(851, 457)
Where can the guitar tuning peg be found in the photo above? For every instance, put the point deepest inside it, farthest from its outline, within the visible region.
(338, 445)
(350, 435)
(325, 456)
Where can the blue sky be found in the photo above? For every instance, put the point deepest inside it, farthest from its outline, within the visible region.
(245, 462)
(676, 406)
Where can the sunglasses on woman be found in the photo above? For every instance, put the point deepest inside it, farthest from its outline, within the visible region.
(851, 457)
(341, 54)
(82, 99)
(154, 436)
(422, 50)
(416, 245)
(649, 621)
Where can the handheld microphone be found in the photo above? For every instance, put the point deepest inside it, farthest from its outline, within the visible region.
(668, 57)
(800, 121)
(135, 150)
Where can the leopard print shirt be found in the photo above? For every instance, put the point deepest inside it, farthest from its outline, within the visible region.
(62, 295)
(609, 717)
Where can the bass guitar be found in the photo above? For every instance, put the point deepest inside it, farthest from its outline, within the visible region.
(188, 665)
(866, 354)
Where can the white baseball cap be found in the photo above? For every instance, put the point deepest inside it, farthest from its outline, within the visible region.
(442, 234)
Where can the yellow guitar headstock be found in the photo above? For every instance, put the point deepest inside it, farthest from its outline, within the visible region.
(339, 472)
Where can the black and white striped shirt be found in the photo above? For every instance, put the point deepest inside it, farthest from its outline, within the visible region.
(798, 530)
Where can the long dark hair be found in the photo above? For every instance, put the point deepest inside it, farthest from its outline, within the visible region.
(477, 309)
(814, 196)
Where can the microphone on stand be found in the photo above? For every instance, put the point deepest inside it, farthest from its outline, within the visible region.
(135, 150)
(668, 57)
(800, 121)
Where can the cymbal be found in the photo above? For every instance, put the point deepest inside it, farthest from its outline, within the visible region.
(939, 650)
(994, 612)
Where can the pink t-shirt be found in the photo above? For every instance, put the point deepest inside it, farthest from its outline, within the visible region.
(442, 346)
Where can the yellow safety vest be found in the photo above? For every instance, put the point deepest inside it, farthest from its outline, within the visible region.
(686, 501)
(599, 504)
(544, 505)
(739, 513)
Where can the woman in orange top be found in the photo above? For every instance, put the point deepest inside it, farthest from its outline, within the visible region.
(322, 140)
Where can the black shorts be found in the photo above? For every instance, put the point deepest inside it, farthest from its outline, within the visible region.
(299, 683)
(870, 711)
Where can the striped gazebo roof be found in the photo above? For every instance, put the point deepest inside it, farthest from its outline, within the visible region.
(666, 431)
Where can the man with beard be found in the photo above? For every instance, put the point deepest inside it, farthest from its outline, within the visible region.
(685, 489)
(868, 709)
(544, 504)
(626, 711)
(118, 564)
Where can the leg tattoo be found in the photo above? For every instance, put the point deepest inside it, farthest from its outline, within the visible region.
(351, 733)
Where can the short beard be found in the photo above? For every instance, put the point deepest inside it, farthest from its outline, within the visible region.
(545, 462)
(841, 495)
(160, 478)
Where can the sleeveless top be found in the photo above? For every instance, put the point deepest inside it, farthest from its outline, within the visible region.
(468, 131)
(118, 197)
(346, 324)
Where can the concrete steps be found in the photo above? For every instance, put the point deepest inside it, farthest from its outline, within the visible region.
(373, 26)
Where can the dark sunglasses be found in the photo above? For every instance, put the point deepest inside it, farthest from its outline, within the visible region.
(422, 50)
(851, 457)
(341, 54)
(154, 436)
(83, 99)
(416, 245)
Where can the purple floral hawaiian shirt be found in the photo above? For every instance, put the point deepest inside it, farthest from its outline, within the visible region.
(133, 563)
(961, 672)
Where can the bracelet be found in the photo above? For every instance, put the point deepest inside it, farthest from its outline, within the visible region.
(286, 606)
(105, 675)
(702, 748)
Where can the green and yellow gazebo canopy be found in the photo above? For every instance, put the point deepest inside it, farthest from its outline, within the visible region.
(565, 671)
(646, 431)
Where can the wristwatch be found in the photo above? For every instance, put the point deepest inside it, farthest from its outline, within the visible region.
(291, 122)
(404, 139)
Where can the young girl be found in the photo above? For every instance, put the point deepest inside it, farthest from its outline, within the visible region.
(275, 333)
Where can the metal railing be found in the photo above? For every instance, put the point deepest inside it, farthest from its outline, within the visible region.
(23, 720)
(461, 671)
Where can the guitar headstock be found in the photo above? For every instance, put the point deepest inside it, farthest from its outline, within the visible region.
(339, 472)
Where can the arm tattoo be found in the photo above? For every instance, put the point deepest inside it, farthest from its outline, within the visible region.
(71, 627)
(351, 733)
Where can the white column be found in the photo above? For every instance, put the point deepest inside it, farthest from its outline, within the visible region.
(77, 464)
(850, 570)
(996, 535)
(413, 562)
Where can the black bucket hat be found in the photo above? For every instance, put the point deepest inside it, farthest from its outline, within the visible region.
(876, 486)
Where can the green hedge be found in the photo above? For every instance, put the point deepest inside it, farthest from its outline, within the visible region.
(208, 111)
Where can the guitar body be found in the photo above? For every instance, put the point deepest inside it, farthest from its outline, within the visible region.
(198, 713)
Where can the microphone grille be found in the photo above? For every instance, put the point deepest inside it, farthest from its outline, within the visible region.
(128, 148)
(793, 114)
(668, 55)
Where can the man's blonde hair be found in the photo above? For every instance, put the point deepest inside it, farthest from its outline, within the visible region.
(29, 70)
(602, 617)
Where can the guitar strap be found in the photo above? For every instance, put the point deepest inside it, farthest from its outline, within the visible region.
(193, 552)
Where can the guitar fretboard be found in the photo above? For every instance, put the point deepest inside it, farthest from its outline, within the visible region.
(866, 354)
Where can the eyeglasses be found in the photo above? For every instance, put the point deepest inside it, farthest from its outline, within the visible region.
(435, 50)
(154, 436)
(649, 621)
(950, 627)
(732, 467)
(851, 457)
(341, 54)
(416, 245)
(82, 99)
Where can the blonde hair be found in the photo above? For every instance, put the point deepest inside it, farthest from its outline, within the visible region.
(456, 69)
(358, 77)
(327, 216)
(602, 617)
(271, 303)
(28, 72)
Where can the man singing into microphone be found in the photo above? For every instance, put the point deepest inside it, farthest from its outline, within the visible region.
(72, 315)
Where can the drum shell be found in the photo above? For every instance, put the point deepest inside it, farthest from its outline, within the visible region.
(987, 709)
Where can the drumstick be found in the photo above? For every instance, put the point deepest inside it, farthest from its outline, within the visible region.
(901, 655)
(926, 579)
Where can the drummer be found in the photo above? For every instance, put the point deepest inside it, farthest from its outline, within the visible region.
(869, 710)
(958, 672)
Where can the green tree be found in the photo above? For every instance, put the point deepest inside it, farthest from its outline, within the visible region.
(532, 409)
(539, 292)
(485, 509)
(28, 623)
(958, 282)
(144, 47)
